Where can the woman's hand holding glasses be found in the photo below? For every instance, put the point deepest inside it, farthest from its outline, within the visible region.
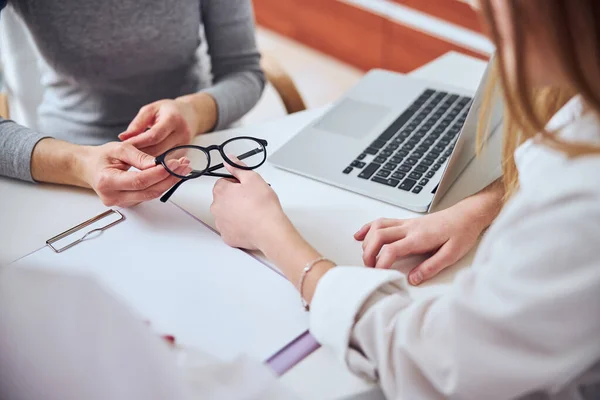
(245, 153)
(247, 211)
(106, 170)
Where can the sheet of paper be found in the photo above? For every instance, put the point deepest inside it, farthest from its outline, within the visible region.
(178, 274)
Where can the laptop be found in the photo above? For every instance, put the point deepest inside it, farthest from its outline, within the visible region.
(392, 137)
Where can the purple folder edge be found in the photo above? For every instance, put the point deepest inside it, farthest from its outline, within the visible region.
(296, 350)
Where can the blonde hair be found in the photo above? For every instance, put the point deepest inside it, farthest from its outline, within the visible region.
(528, 110)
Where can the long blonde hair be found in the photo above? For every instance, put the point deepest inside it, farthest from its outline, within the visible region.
(528, 110)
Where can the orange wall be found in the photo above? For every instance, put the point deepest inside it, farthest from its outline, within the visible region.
(359, 37)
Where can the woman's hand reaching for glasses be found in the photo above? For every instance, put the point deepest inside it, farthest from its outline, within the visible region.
(106, 170)
(246, 212)
(165, 124)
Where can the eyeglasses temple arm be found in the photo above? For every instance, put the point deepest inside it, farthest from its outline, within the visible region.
(168, 195)
(240, 157)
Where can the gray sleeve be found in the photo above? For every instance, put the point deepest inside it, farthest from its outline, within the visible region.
(238, 80)
(16, 146)
(16, 143)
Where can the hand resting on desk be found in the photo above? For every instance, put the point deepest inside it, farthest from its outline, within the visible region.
(447, 235)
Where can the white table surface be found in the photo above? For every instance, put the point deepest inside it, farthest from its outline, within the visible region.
(325, 215)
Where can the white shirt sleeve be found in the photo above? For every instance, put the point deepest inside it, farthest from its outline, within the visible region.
(63, 337)
(524, 320)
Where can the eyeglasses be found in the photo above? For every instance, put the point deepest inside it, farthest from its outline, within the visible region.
(248, 149)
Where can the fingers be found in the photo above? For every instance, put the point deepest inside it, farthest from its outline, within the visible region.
(172, 140)
(138, 181)
(362, 232)
(153, 136)
(134, 157)
(131, 198)
(159, 188)
(376, 239)
(221, 185)
(240, 174)
(140, 123)
(236, 160)
(377, 224)
(387, 257)
(443, 258)
(390, 253)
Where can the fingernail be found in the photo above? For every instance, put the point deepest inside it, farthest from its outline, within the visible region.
(416, 278)
(184, 161)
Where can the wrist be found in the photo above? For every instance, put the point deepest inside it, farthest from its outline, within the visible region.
(274, 234)
(203, 111)
(55, 161)
(81, 161)
(482, 209)
(285, 247)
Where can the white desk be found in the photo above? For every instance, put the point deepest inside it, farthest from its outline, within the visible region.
(325, 215)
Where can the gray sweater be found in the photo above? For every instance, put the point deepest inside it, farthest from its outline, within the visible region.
(104, 60)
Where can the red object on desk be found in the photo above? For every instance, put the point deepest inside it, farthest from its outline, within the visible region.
(169, 338)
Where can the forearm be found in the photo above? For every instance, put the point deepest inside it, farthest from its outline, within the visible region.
(235, 94)
(484, 206)
(235, 60)
(16, 146)
(205, 110)
(55, 161)
(286, 248)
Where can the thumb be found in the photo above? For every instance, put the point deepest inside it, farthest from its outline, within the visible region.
(240, 174)
(429, 268)
(140, 123)
(138, 159)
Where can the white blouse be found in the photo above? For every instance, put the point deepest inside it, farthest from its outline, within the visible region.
(523, 321)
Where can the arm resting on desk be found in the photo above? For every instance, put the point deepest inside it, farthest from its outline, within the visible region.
(445, 236)
(499, 329)
(16, 148)
(106, 170)
(28, 155)
(55, 161)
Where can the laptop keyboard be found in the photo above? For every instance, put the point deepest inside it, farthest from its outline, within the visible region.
(416, 145)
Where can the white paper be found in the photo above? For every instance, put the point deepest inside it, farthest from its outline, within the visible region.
(179, 275)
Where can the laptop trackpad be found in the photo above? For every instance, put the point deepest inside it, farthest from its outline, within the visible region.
(352, 118)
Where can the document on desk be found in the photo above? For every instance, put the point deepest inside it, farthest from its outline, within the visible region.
(178, 274)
